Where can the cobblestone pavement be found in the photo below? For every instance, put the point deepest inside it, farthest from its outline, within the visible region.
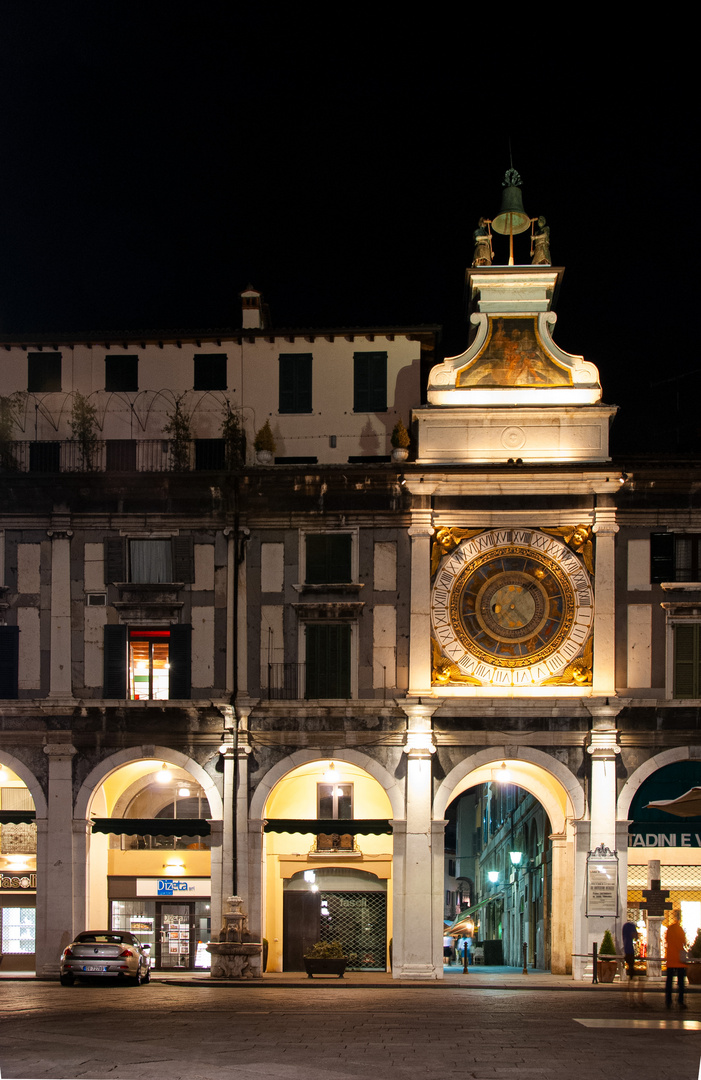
(328, 1031)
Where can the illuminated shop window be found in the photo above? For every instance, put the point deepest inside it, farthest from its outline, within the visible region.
(149, 667)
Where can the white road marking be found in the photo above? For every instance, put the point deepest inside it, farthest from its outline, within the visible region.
(656, 1025)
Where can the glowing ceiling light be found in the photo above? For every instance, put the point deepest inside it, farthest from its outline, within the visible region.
(501, 775)
(164, 775)
(183, 792)
(330, 774)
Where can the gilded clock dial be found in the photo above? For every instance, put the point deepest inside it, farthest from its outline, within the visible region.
(511, 606)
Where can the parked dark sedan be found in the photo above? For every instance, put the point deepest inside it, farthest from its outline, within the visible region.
(105, 954)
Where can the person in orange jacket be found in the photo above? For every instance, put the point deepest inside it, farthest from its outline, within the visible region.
(675, 954)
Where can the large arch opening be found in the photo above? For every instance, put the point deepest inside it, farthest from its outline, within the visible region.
(18, 869)
(668, 837)
(327, 858)
(513, 858)
(149, 854)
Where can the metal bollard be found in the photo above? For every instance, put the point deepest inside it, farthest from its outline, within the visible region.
(595, 971)
(525, 959)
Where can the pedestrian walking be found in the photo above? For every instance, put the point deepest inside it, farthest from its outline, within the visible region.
(675, 955)
(630, 935)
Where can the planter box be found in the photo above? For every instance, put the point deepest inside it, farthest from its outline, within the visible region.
(606, 970)
(328, 966)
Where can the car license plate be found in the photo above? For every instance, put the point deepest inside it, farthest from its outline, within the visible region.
(94, 967)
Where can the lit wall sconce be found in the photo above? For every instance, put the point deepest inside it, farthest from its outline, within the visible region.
(174, 866)
(515, 857)
(493, 876)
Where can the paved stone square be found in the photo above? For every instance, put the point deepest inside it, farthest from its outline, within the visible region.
(331, 1030)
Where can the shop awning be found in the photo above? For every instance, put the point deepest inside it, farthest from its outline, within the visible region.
(457, 927)
(343, 826)
(17, 817)
(152, 826)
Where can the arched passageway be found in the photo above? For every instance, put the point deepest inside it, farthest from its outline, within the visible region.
(539, 909)
(327, 864)
(149, 856)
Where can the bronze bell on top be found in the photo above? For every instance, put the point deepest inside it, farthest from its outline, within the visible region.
(512, 218)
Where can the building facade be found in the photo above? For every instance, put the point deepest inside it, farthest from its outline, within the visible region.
(225, 677)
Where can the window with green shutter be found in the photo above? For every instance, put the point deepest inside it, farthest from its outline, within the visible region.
(328, 558)
(370, 382)
(328, 660)
(295, 383)
(687, 660)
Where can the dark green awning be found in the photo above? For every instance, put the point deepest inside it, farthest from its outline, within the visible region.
(356, 827)
(152, 826)
(17, 817)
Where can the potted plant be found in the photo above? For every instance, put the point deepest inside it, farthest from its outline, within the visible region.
(325, 958)
(82, 423)
(693, 969)
(607, 964)
(400, 440)
(178, 427)
(264, 444)
(234, 438)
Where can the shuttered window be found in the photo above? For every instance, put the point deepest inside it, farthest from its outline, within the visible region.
(295, 383)
(136, 660)
(687, 661)
(44, 372)
(328, 655)
(675, 557)
(210, 371)
(150, 561)
(370, 382)
(122, 373)
(328, 558)
(9, 661)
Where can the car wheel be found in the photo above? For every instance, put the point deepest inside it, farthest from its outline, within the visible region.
(147, 977)
(67, 980)
(138, 978)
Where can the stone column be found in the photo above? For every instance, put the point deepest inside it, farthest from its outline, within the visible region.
(415, 915)
(654, 922)
(421, 531)
(60, 683)
(561, 922)
(216, 875)
(242, 856)
(605, 527)
(604, 749)
(55, 910)
(255, 878)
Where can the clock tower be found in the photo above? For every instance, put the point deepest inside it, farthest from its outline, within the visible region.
(513, 518)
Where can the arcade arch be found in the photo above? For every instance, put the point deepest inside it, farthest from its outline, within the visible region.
(22, 802)
(561, 797)
(153, 875)
(323, 883)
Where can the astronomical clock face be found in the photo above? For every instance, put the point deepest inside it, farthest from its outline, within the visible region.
(511, 607)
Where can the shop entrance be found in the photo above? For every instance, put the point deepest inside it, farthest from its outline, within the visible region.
(355, 917)
(178, 933)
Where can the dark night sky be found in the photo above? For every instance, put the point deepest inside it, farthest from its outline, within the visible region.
(155, 158)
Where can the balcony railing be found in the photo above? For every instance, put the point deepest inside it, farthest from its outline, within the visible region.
(114, 455)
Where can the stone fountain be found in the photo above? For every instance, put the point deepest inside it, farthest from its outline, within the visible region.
(235, 955)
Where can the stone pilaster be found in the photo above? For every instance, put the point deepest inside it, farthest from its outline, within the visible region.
(605, 527)
(420, 531)
(60, 682)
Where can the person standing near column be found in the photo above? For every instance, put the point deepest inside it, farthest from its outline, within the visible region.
(675, 948)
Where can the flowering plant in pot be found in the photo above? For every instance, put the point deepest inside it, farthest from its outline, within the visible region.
(607, 964)
(325, 958)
